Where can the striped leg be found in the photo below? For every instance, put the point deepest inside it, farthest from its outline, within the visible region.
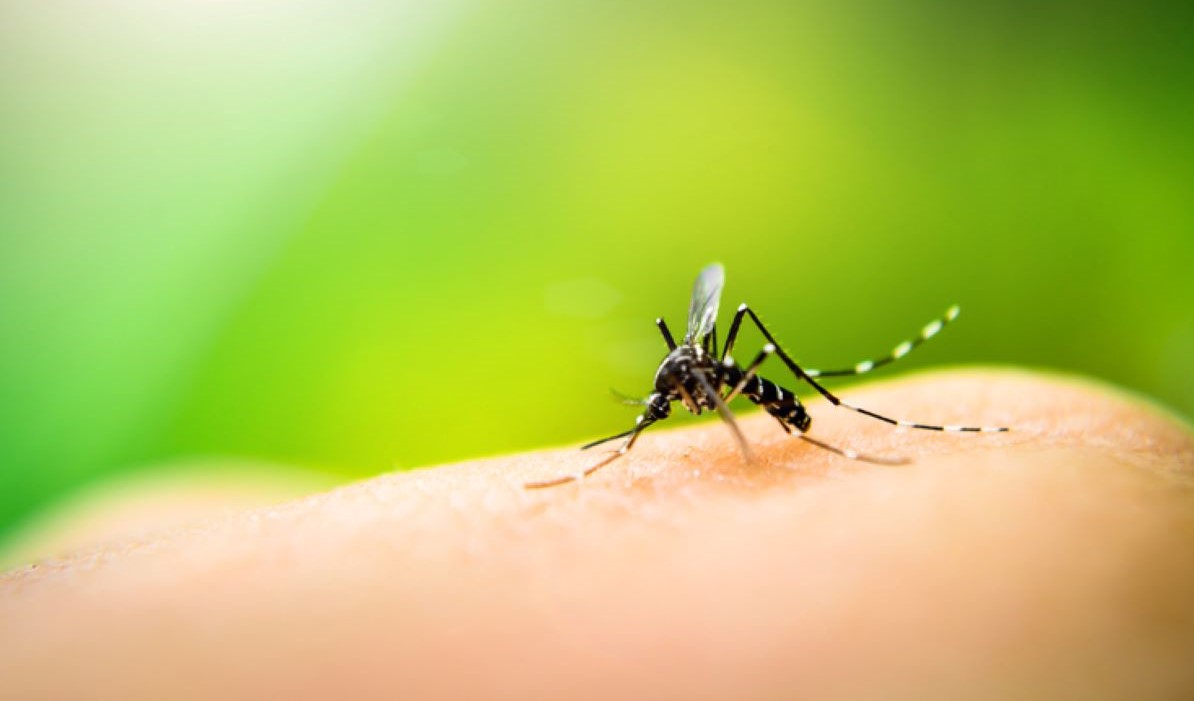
(744, 310)
(750, 371)
(930, 329)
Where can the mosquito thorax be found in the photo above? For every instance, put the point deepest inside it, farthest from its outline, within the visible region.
(674, 369)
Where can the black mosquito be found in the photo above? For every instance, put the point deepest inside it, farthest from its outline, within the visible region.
(697, 375)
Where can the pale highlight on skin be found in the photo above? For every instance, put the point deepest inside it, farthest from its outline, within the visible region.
(1051, 561)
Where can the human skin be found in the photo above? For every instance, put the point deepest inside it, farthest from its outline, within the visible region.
(1053, 561)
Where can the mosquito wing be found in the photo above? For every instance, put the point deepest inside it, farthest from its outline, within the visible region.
(706, 296)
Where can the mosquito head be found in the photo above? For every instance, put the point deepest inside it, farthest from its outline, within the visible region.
(659, 407)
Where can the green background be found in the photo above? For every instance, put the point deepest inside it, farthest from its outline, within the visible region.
(359, 236)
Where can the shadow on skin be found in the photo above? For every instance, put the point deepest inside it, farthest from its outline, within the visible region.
(1051, 561)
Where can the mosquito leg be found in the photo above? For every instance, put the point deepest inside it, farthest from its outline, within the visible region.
(658, 408)
(726, 414)
(852, 455)
(588, 471)
(751, 369)
(790, 413)
(687, 400)
(732, 335)
(631, 436)
(744, 310)
(930, 329)
(576, 478)
(667, 335)
(801, 374)
(614, 437)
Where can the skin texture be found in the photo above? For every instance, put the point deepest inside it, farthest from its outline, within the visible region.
(1054, 561)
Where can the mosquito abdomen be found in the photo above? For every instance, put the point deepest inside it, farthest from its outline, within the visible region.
(779, 402)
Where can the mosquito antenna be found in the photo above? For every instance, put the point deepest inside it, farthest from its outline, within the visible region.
(626, 398)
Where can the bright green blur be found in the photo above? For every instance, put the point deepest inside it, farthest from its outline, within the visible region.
(355, 236)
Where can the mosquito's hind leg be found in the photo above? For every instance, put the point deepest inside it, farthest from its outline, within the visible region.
(930, 329)
(799, 372)
(667, 334)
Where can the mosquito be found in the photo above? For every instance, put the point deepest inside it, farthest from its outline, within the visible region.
(700, 377)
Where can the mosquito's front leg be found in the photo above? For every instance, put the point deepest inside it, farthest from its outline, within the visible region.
(904, 348)
(667, 335)
(658, 409)
(632, 434)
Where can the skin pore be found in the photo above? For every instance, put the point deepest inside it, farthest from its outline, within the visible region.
(1053, 561)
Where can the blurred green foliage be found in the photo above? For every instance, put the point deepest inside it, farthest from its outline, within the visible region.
(358, 236)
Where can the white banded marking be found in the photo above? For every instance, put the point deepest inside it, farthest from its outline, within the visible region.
(931, 329)
(914, 424)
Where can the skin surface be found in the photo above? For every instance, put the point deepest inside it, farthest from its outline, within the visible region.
(1054, 561)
